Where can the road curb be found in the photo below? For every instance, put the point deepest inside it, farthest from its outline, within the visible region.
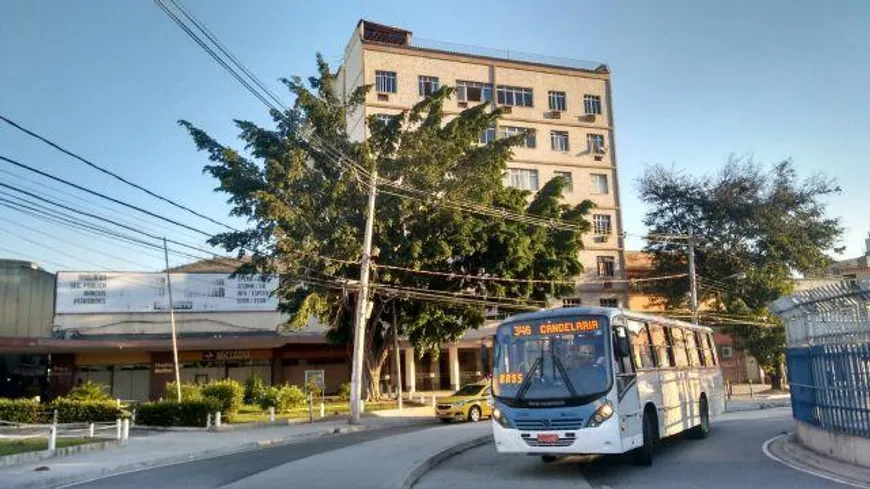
(431, 462)
(755, 405)
(38, 456)
(67, 480)
(787, 451)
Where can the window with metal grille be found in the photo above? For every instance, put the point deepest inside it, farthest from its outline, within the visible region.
(559, 140)
(487, 136)
(572, 302)
(558, 101)
(523, 179)
(530, 140)
(592, 104)
(385, 81)
(515, 96)
(384, 118)
(606, 266)
(601, 224)
(427, 85)
(595, 142)
(468, 91)
(599, 184)
(569, 181)
(608, 302)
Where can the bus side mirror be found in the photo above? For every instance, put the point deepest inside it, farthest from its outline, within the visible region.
(623, 348)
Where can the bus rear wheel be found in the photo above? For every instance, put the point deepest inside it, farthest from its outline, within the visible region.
(702, 430)
(643, 455)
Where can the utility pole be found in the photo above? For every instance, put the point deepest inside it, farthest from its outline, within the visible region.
(396, 355)
(362, 300)
(693, 286)
(172, 323)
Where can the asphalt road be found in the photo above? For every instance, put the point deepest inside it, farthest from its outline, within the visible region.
(220, 471)
(731, 457)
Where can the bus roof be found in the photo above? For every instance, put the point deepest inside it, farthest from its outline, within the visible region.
(601, 311)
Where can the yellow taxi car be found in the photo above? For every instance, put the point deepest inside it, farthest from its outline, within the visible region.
(469, 403)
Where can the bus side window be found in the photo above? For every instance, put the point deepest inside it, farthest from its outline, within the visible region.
(660, 344)
(678, 347)
(710, 348)
(640, 346)
(692, 348)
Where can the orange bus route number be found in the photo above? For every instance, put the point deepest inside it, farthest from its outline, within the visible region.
(557, 328)
(523, 330)
(510, 378)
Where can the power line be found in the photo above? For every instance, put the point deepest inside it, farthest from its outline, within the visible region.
(109, 172)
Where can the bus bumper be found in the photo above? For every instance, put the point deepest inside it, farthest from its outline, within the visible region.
(601, 439)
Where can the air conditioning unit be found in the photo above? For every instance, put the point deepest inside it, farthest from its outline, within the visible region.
(600, 238)
(506, 109)
(383, 97)
(587, 118)
(608, 285)
(462, 104)
(553, 114)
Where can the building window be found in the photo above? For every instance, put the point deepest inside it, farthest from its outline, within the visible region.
(609, 302)
(569, 181)
(427, 85)
(558, 102)
(599, 184)
(606, 266)
(384, 118)
(595, 143)
(572, 302)
(592, 104)
(530, 140)
(514, 96)
(559, 140)
(467, 91)
(523, 179)
(601, 224)
(487, 136)
(385, 81)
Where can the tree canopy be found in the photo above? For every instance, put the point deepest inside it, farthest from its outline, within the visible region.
(761, 224)
(302, 186)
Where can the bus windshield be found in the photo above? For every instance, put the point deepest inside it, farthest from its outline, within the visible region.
(562, 359)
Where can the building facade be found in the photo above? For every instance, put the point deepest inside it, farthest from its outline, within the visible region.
(564, 107)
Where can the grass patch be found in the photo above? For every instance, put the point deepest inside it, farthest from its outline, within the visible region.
(253, 414)
(11, 447)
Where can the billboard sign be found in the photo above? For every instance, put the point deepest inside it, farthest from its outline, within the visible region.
(133, 292)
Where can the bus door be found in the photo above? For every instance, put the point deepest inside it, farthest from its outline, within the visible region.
(630, 412)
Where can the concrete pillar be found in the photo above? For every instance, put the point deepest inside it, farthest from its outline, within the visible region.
(453, 359)
(410, 371)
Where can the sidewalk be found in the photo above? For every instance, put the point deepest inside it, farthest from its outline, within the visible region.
(786, 450)
(174, 447)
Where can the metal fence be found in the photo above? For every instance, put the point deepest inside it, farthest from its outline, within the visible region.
(828, 331)
(112, 430)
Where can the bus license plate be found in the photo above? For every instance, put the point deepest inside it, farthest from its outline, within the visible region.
(548, 438)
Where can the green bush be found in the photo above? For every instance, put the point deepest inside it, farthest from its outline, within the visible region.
(229, 393)
(344, 391)
(283, 398)
(20, 411)
(172, 413)
(89, 391)
(75, 411)
(189, 391)
(254, 389)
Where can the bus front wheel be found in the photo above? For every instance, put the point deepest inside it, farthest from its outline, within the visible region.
(643, 455)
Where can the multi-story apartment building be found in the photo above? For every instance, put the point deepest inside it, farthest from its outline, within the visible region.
(564, 105)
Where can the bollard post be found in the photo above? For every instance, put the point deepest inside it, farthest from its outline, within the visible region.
(52, 438)
(217, 420)
(751, 392)
(90, 430)
(322, 409)
(118, 429)
(271, 414)
(310, 408)
(208, 421)
(433, 400)
(54, 417)
(362, 406)
(133, 418)
(125, 431)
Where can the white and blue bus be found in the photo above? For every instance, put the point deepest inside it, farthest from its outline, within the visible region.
(596, 380)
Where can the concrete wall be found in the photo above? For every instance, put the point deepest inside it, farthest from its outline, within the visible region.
(26, 299)
(847, 448)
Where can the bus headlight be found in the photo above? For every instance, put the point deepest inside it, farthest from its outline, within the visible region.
(601, 415)
(500, 418)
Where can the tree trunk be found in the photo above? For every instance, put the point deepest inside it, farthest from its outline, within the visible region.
(778, 376)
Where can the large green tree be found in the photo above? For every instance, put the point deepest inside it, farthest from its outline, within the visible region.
(305, 204)
(761, 224)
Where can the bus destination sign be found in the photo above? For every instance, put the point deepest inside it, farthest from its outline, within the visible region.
(565, 327)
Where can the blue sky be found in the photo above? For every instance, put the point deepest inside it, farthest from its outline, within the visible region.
(692, 84)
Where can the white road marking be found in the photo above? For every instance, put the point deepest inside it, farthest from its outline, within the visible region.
(766, 449)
